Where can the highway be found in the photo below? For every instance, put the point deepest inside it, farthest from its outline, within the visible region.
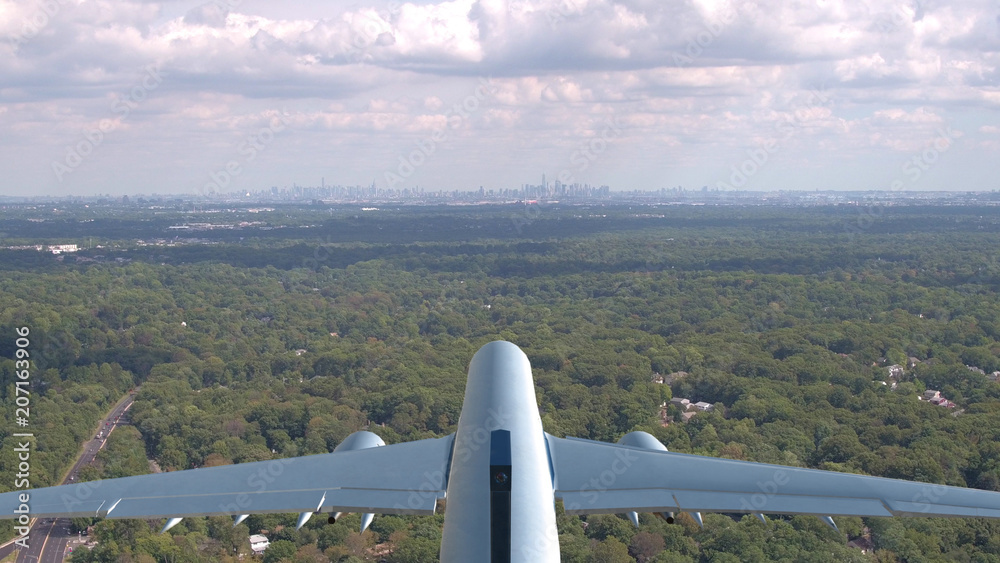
(50, 539)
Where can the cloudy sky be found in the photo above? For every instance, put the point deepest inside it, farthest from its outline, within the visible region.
(101, 96)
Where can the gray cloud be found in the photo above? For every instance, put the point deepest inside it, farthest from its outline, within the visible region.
(692, 82)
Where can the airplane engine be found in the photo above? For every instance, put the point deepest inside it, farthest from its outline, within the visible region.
(363, 439)
(646, 441)
(358, 441)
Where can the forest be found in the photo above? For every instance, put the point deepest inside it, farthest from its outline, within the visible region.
(281, 338)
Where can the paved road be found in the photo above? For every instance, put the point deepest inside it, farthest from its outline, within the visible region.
(50, 540)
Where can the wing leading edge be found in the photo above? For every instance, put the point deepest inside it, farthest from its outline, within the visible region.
(597, 477)
(406, 478)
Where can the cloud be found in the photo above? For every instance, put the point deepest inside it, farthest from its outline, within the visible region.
(689, 80)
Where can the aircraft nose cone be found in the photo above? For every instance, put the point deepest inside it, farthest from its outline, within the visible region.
(499, 358)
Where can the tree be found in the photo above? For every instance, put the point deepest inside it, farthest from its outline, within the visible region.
(611, 551)
(415, 550)
(603, 526)
(645, 546)
(279, 551)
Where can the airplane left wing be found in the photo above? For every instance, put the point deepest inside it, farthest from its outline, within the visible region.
(405, 478)
(597, 477)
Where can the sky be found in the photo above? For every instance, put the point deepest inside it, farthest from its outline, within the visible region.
(128, 97)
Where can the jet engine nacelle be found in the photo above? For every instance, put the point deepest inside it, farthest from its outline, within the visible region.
(358, 441)
(643, 440)
(362, 440)
(646, 441)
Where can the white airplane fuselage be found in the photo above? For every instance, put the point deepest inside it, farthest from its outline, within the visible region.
(500, 492)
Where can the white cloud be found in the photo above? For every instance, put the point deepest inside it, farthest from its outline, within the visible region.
(687, 79)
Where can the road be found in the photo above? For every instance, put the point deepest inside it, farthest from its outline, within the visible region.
(50, 540)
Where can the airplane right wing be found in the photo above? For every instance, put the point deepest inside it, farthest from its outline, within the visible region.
(597, 477)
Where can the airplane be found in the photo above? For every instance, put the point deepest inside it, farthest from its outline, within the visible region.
(501, 475)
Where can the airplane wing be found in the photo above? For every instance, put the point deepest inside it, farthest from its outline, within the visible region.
(405, 478)
(596, 477)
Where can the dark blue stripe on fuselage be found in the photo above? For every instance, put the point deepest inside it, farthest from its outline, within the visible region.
(500, 483)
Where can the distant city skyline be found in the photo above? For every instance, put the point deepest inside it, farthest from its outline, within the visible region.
(189, 97)
(372, 198)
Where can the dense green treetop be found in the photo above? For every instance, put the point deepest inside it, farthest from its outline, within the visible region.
(283, 343)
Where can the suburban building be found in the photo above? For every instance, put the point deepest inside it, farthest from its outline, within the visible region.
(62, 248)
(258, 543)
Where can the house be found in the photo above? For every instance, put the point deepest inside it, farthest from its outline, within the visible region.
(688, 415)
(895, 371)
(934, 397)
(994, 376)
(62, 248)
(912, 362)
(704, 407)
(258, 543)
(656, 378)
(976, 369)
(863, 543)
(683, 404)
